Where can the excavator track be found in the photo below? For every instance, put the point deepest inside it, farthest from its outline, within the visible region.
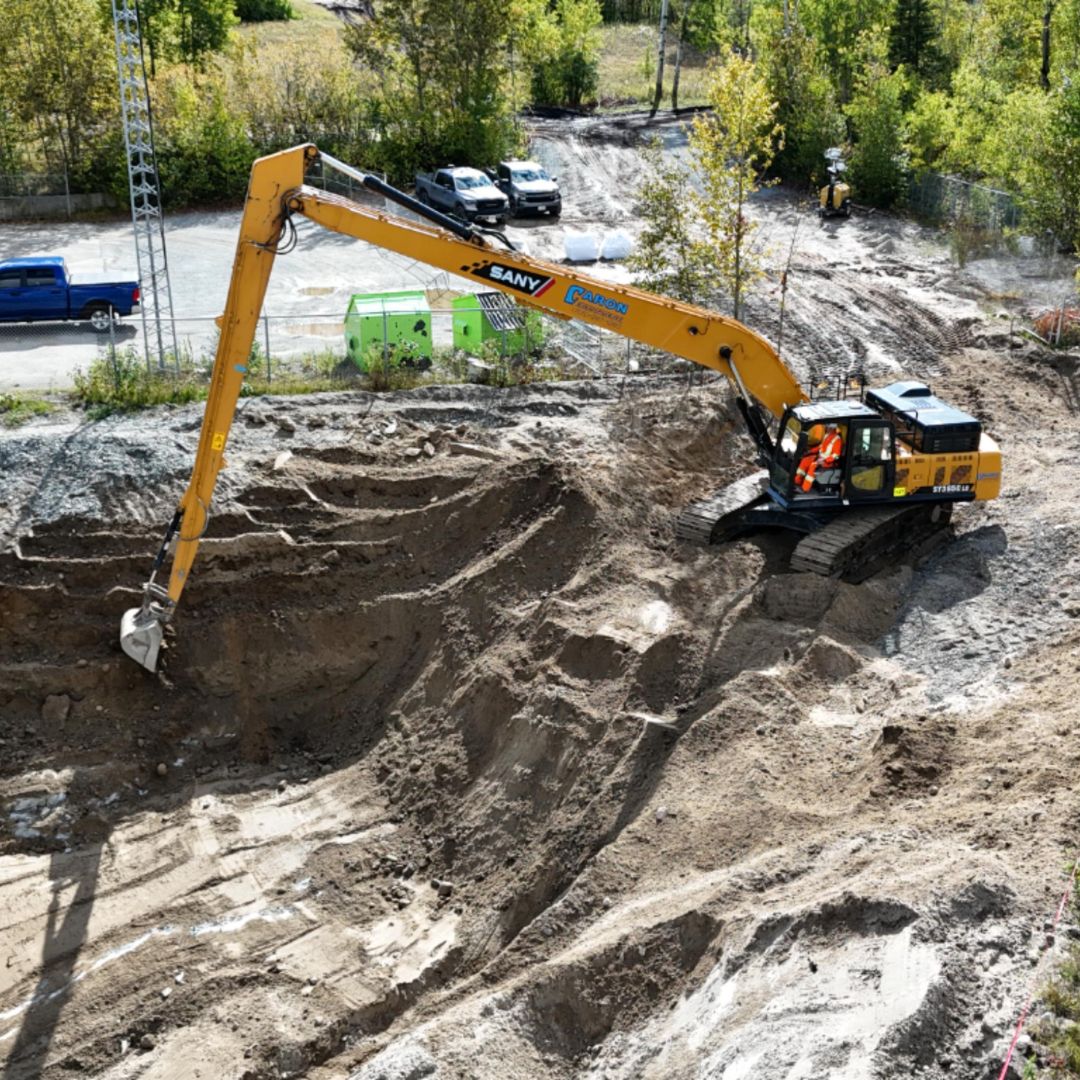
(854, 540)
(721, 517)
(849, 543)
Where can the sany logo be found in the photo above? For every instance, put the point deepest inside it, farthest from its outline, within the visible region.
(511, 277)
(576, 293)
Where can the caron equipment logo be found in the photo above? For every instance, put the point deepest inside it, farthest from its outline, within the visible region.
(577, 295)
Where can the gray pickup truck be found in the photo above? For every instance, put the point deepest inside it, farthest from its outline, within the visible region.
(529, 188)
(466, 193)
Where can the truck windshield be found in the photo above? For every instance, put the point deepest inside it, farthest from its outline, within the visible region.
(530, 174)
(472, 182)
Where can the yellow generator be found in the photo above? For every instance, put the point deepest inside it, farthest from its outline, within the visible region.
(835, 196)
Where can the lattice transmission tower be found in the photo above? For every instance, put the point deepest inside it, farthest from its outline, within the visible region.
(159, 326)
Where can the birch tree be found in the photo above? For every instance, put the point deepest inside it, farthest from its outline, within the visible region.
(733, 146)
(660, 61)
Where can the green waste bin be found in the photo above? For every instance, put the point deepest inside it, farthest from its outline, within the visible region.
(395, 324)
(493, 316)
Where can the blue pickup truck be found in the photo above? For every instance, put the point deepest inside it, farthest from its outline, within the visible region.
(36, 290)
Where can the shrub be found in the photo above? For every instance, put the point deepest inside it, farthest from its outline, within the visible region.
(264, 10)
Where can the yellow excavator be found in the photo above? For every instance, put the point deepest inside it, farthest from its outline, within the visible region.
(897, 458)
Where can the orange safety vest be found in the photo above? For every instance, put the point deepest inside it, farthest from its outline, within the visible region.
(831, 448)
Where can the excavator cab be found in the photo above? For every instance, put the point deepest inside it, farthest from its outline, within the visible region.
(864, 469)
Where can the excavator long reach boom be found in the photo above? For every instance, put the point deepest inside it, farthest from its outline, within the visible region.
(276, 193)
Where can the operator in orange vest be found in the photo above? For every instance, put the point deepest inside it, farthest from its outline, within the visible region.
(823, 456)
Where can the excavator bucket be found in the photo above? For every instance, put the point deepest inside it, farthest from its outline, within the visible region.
(140, 636)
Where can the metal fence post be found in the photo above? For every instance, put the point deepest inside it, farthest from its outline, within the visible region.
(112, 352)
(266, 335)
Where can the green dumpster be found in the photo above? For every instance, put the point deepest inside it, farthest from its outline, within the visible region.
(493, 316)
(396, 325)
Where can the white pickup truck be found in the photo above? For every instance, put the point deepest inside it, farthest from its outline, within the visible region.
(466, 193)
(529, 188)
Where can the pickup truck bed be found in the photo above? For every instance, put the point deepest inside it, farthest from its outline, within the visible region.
(41, 289)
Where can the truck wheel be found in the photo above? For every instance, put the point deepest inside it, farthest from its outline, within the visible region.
(101, 317)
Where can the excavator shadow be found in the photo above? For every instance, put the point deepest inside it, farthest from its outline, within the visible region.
(960, 570)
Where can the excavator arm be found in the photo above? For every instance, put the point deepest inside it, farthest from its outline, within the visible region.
(276, 193)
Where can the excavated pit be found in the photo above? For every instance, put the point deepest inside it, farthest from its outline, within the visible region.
(459, 743)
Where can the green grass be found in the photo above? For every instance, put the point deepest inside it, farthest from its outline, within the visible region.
(313, 26)
(16, 409)
(123, 383)
(628, 68)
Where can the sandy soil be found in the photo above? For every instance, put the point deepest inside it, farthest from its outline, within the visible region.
(459, 766)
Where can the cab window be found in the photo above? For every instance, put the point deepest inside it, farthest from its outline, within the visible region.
(10, 279)
(789, 440)
(871, 448)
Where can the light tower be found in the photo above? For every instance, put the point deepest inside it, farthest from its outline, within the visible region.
(159, 326)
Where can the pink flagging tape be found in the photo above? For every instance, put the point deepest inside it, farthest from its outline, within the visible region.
(1062, 903)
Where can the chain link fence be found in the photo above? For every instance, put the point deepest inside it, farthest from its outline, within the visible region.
(316, 345)
(33, 196)
(948, 200)
(17, 185)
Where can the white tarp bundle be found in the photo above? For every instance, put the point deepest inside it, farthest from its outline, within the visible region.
(581, 247)
(617, 245)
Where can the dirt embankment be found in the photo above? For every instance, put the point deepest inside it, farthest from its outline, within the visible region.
(469, 769)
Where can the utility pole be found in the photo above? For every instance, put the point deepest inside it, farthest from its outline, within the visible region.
(155, 304)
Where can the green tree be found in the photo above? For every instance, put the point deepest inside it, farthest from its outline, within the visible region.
(912, 36)
(807, 107)
(186, 30)
(443, 71)
(836, 26)
(301, 95)
(566, 54)
(929, 131)
(58, 85)
(1045, 159)
(669, 258)
(204, 26)
(204, 151)
(733, 146)
(876, 112)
